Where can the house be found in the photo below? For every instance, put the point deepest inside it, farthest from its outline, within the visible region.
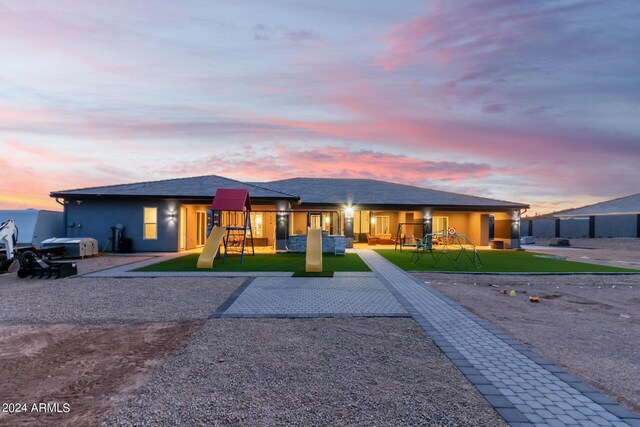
(171, 215)
(613, 218)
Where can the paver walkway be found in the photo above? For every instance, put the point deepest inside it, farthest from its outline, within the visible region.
(522, 386)
(313, 297)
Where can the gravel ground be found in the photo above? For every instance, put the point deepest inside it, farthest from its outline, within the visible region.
(307, 372)
(588, 324)
(97, 263)
(112, 300)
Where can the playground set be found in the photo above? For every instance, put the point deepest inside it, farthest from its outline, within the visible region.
(233, 206)
(234, 203)
(455, 247)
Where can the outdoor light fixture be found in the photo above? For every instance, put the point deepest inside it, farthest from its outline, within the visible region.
(348, 212)
(373, 220)
(172, 215)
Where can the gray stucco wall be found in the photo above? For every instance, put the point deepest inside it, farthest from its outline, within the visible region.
(605, 226)
(574, 228)
(544, 227)
(616, 226)
(95, 217)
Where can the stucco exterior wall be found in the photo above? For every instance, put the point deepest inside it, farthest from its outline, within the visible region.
(604, 226)
(95, 217)
(616, 226)
(574, 228)
(544, 227)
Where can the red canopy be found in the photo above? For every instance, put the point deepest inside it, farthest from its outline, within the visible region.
(231, 199)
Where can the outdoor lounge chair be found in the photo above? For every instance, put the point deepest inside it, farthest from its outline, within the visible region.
(372, 240)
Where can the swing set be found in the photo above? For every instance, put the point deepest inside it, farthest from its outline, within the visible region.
(232, 209)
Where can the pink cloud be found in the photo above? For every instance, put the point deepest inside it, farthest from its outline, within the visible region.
(285, 162)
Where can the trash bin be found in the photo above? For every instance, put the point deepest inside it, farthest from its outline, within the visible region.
(125, 245)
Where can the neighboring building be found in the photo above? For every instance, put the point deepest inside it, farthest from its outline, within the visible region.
(171, 215)
(614, 218)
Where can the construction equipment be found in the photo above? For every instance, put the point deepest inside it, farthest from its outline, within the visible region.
(27, 260)
(74, 247)
(9, 236)
(31, 265)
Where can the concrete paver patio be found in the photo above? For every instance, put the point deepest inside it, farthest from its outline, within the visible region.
(315, 297)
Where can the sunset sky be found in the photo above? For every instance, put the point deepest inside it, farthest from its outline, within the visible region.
(528, 101)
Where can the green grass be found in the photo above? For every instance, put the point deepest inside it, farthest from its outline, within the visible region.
(498, 262)
(262, 262)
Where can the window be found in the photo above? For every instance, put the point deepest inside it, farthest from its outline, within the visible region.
(315, 221)
(201, 228)
(363, 222)
(182, 219)
(382, 225)
(441, 225)
(256, 224)
(150, 224)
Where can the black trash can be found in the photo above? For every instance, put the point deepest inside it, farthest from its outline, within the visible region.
(125, 244)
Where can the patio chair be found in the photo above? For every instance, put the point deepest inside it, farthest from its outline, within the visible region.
(372, 240)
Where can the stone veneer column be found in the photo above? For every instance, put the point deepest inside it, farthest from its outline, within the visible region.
(348, 227)
(515, 229)
(427, 220)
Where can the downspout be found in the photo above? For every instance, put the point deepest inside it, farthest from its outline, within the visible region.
(64, 215)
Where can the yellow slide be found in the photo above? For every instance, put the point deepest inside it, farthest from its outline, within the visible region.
(314, 251)
(211, 247)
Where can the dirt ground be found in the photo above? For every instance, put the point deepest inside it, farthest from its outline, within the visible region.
(87, 367)
(613, 244)
(588, 324)
(90, 342)
(620, 252)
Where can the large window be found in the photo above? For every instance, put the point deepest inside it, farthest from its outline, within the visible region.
(441, 225)
(256, 224)
(382, 225)
(150, 231)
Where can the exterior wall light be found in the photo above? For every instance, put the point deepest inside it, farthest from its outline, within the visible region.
(348, 212)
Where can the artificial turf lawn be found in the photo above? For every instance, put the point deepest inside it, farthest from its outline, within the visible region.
(497, 262)
(262, 262)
